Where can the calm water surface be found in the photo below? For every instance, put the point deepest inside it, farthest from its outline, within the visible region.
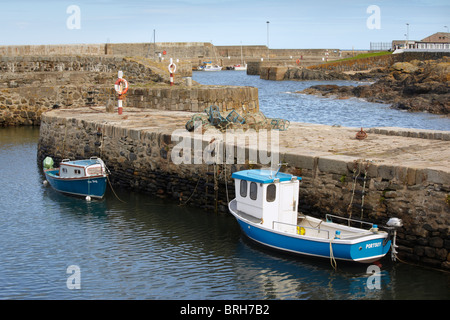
(277, 99)
(148, 248)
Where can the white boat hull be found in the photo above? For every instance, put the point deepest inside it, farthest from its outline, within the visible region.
(212, 68)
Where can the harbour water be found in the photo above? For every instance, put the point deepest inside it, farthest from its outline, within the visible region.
(278, 99)
(141, 247)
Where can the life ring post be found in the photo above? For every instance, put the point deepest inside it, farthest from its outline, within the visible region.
(172, 68)
(121, 87)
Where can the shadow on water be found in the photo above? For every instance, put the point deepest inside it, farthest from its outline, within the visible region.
(75, 205)
(12, 136)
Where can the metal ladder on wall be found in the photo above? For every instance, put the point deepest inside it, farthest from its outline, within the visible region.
(359, 179)
(212, 188)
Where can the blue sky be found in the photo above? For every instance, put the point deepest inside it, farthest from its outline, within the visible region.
(293, 24)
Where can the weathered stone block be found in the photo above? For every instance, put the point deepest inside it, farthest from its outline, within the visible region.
(436, 176)
(298, 160)
(335, 163)
(386, 172)
(436, 242)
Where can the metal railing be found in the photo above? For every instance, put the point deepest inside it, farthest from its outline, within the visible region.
(299, 226)
(380, 46)
(319, 230)
(347, 219)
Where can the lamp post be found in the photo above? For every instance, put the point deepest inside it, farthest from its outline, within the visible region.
(407, 36)
(268, 56)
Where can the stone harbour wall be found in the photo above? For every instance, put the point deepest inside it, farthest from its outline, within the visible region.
(31, 85)
(25, 105)
(196, 52)
(196, 99)
(47, 66)
(173, 49)
(138, 153)
(61, 49)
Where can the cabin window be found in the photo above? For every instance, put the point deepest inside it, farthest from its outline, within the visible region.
(243, 188)
(64, 170)
(253, 190)
(77, 171)
(271, 192)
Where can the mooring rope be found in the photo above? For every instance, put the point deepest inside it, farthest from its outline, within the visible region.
(357, 165)
(226, 181)
(332, 259)
(363, 189)
(64, 141)
(107, 178)
(109, 182)
(195, 189)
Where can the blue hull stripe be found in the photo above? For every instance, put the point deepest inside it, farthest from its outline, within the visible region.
(365, 251)
(93, 187)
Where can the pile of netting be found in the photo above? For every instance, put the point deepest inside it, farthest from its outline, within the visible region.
(213, 118)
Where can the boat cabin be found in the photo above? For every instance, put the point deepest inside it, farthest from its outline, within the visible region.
(80, 168)
(270, 196)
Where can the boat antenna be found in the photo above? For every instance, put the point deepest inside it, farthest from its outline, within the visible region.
(279, 167)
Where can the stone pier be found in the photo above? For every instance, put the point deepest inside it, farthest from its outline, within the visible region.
(31, 85)
(392, 173)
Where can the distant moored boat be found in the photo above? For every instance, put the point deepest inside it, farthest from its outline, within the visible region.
(212, 68)
(85, 178)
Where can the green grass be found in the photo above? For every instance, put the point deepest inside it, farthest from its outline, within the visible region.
(364, 55)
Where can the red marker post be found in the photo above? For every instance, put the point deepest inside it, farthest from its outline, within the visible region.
(121, 87)
(172, 69)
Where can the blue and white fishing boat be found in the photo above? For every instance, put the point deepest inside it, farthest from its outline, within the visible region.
(85, 178)
(210, 67)
(266, 209)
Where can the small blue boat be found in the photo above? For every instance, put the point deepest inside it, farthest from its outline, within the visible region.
(266, 209)
(85, 178)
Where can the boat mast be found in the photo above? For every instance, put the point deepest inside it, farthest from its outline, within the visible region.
(241, 54)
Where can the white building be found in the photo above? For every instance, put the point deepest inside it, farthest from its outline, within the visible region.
(437, 41)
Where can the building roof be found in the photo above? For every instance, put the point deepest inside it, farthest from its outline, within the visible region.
(437, 37)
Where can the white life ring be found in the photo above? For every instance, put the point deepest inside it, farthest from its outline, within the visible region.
(121, 86)
(174, 68)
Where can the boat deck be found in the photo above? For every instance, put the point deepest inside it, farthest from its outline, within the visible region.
(53, 172)
(81, 163)
(320, 229)
(311, 227)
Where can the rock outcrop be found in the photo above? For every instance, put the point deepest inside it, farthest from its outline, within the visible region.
(416, 86)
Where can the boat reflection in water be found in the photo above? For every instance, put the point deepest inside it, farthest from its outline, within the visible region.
(280, 275)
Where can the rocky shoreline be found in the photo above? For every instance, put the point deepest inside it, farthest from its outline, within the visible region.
(415, 86)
